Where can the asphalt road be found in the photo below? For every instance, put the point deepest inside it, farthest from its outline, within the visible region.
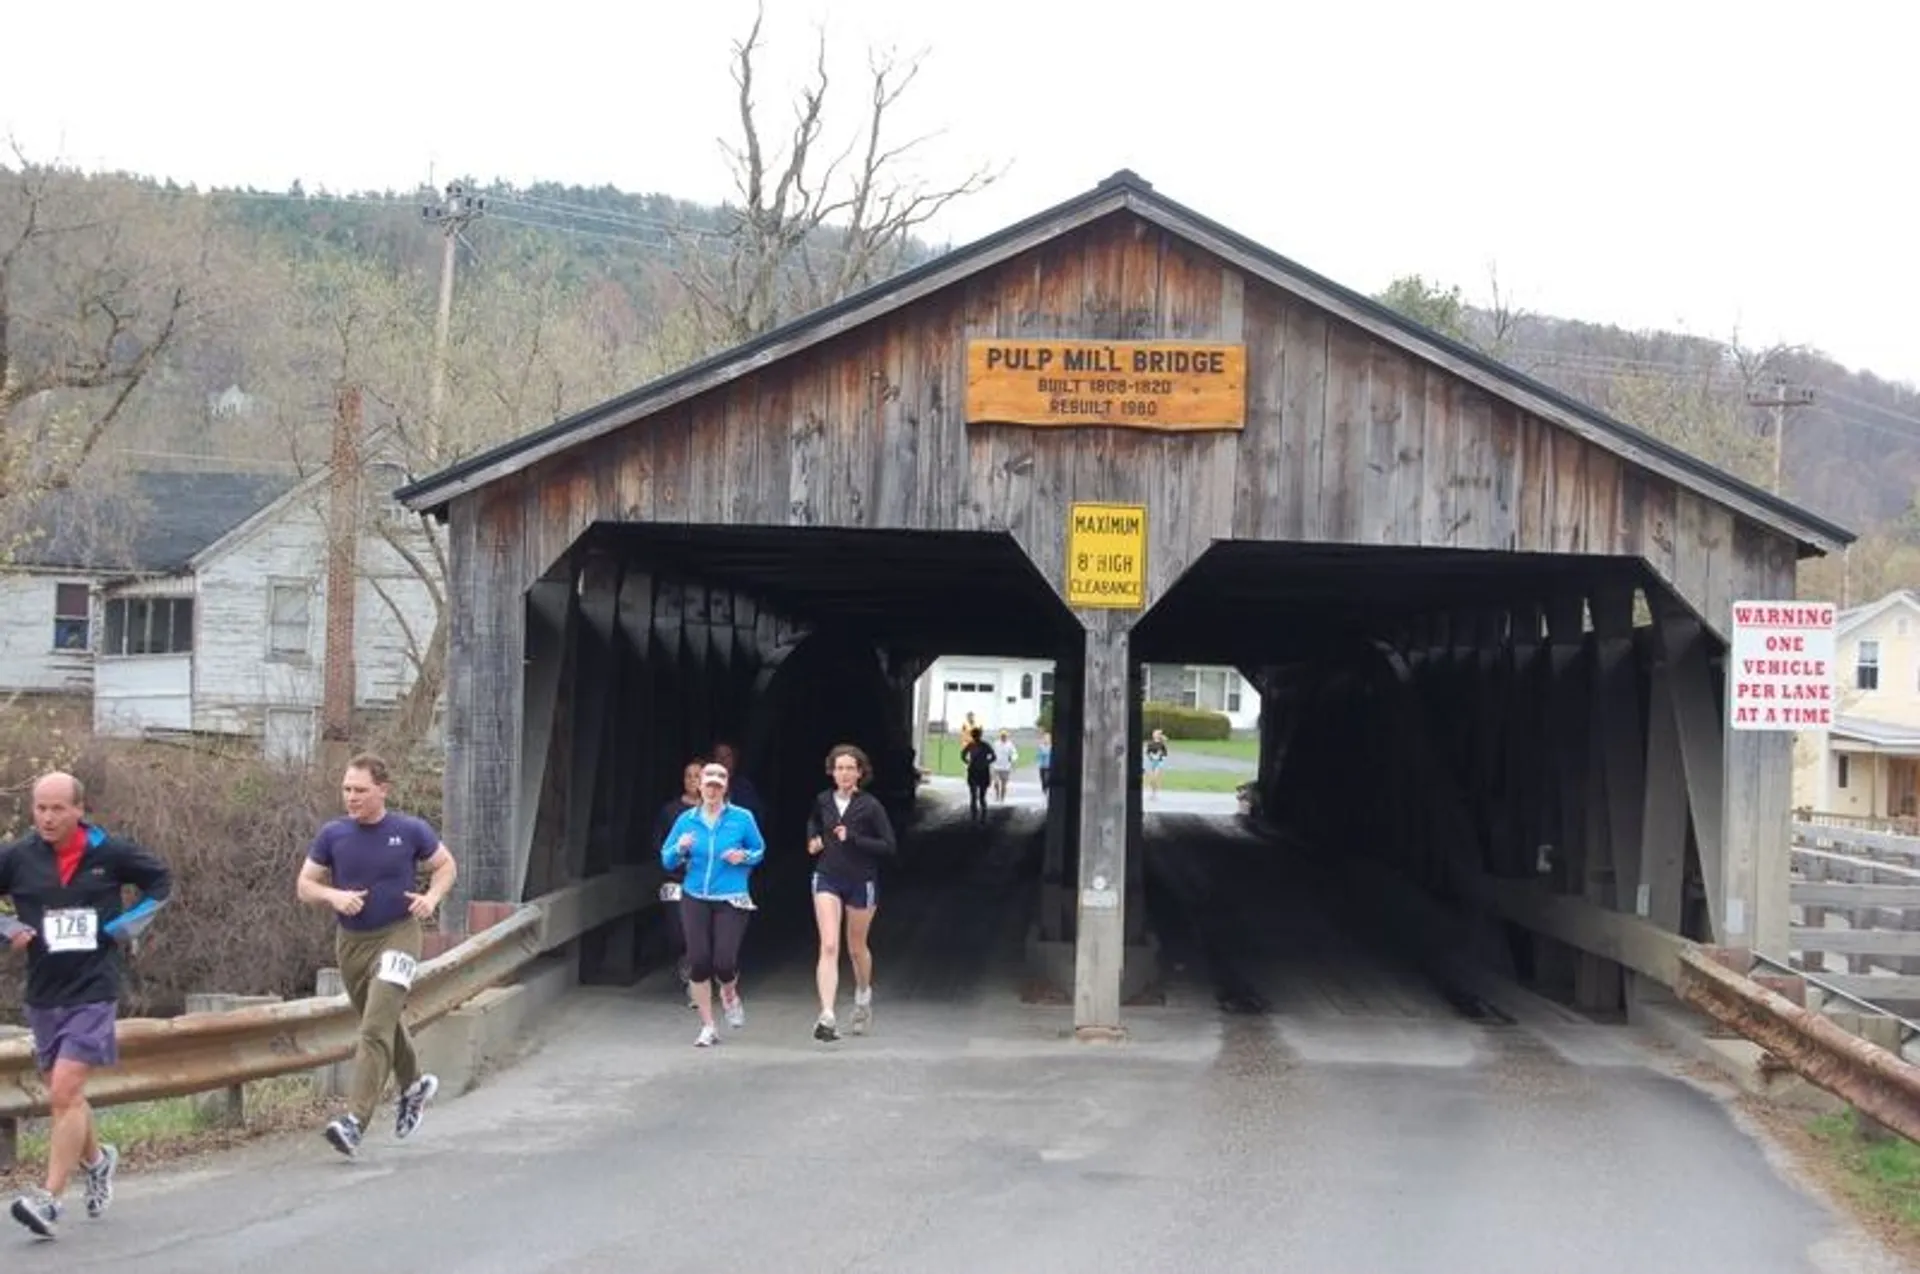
(1356, 1116)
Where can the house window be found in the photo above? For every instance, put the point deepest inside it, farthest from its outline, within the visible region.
(149, 626)
(72, 616)
(288, 614)
(1046, 690)
(1866, 670)
(1841, 763)
(1026, 685)
(1207, 689)
(1233, 692)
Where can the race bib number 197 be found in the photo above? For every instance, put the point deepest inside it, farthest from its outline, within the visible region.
(396, 967)
(71, 929)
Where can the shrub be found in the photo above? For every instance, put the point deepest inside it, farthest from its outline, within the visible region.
(234, 829)
(1181, 722)
(1178, 721)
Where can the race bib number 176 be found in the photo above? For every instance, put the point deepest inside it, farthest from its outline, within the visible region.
(71, 929)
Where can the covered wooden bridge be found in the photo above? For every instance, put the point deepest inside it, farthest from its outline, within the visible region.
(1488, 623)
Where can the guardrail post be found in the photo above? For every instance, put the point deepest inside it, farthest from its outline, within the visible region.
(331, 1080)
(224, 1107)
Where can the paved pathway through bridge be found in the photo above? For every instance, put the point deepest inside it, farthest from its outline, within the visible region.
(1370, 1121)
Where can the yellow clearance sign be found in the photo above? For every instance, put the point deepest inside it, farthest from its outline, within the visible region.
(1169, 386)
(1107, 556)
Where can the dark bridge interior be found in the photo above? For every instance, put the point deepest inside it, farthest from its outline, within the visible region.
(1433, 711)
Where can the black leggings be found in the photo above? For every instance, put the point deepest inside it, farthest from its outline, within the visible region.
(713, 932)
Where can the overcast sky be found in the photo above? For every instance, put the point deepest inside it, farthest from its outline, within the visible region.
(1687, 164)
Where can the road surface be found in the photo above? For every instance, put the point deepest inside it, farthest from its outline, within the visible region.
(1355, 1117)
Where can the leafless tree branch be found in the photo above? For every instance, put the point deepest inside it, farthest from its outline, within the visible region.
(812, 229)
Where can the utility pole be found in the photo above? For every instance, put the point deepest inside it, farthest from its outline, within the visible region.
(452, 217)
(1783, 397)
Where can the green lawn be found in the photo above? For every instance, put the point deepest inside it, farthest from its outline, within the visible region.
(1247, 749)
(942, 757)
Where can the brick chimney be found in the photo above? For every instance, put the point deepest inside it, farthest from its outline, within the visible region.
(343, 557)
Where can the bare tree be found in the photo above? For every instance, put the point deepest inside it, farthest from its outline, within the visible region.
(809, 230)
(1503, 317)
(88, 311)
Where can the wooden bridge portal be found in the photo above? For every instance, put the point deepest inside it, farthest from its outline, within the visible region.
(1488, 622)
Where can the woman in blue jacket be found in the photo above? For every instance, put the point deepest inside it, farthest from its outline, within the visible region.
(719, 844)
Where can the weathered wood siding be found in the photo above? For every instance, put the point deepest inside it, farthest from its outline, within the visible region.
(1348, 440)
(28, 660)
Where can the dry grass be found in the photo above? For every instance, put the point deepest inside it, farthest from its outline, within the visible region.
(157, 1133)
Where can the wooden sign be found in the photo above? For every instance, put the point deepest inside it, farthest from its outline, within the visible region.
(1163, 385)
(1107, 556)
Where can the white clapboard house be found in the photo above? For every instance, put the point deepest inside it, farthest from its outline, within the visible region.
(195, 603)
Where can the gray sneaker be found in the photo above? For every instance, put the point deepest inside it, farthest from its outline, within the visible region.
(735, 1010)
(344, 1135)
(39, 1212)
(862, 1018)
(100, 1181)
(413, 1105)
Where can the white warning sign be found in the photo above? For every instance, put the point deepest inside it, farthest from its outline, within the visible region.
(1780, 668)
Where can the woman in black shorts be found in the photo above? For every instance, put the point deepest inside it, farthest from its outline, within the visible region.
(848, 832)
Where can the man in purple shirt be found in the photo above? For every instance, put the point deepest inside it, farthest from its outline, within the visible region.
(366, 867)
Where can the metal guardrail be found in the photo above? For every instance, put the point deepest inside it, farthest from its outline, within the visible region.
(1910, 1030)
(1873, 1080)
(203, 1052)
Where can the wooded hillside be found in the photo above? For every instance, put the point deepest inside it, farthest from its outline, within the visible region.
(254, 307)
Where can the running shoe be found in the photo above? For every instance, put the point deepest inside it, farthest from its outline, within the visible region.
(825, 1030)
(708, 1038)
(412, 1106)
(344, 1133)
(735, 1010)
(100, 1181)
(39, 1212)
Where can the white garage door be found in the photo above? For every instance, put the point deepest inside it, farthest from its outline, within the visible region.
(970, 690)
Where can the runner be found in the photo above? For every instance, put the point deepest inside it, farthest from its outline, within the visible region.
(670, 888)
(65, 878)
(365, 866)
(977, 755)
(848, 831)
(1005, 757)
(1156, 761)
(719, 844)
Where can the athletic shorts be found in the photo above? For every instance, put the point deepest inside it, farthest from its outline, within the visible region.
(77, 1032)
(860, 895)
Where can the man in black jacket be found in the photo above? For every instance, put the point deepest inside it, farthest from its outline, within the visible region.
(65, 878)
(848, 832)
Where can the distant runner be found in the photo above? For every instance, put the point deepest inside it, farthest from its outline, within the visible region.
(65, 878)
(1156, 760)
(719, 844)
(670, 888)
(364, 867)
(848, 831)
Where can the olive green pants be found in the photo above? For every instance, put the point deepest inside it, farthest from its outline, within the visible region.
(385, 1048)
